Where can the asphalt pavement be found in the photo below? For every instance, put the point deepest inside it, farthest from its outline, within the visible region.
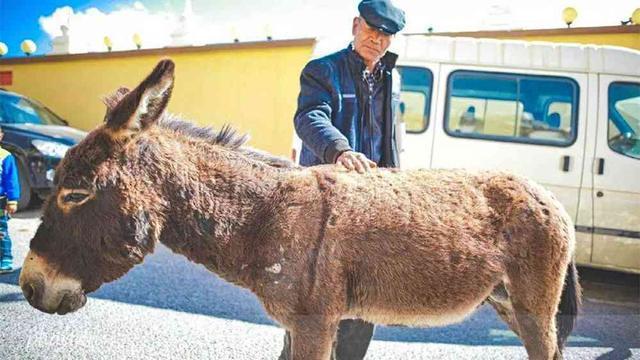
(169, 308)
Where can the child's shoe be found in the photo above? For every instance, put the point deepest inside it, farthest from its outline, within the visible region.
(6, 266)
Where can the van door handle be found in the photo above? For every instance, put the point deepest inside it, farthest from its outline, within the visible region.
(566, 161)
(600, 170)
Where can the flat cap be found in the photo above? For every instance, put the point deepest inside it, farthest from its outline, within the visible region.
(382, 15)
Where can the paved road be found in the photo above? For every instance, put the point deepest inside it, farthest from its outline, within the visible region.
(170, 308)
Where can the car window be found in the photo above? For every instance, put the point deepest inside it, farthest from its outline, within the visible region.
(512, 107)
(624, 118)
(19, 110)
(415, 97)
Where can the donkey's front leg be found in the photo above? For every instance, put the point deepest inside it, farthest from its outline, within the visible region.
(312, 338)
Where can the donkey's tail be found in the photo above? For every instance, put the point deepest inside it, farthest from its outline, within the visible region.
(570, 302)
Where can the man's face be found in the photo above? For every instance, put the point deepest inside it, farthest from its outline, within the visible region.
(370, 43)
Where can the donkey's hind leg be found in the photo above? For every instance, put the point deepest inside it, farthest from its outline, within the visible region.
(499, 300)
(535, 296)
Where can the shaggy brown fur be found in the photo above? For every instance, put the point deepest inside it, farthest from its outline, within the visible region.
(316, 245)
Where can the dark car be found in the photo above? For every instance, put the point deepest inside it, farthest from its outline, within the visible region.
(38, 138)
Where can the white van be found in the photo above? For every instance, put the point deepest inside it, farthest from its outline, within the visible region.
(565, 115)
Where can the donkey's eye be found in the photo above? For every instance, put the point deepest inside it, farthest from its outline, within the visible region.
(75, 197)
(70, 198)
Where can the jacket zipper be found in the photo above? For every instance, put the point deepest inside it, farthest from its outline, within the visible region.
(371, 118)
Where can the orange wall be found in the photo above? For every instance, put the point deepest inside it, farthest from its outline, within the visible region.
(254, 87)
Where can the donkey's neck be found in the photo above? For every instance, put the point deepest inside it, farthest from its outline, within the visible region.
(217, 201)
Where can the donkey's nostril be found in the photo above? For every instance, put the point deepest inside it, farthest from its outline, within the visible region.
(28, 291)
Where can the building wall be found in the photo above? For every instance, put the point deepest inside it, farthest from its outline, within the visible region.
(252, 86)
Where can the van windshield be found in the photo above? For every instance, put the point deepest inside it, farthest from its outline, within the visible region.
(624, 118)
(19, 110)
(629, 110)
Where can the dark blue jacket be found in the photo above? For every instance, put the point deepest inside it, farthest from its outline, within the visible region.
(9, 184)
(331, 104)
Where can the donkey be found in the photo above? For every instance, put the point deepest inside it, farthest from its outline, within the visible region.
(316, 245)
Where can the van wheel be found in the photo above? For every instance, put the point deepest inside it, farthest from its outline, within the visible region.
(25, 189)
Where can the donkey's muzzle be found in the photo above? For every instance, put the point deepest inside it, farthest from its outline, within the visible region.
(47, 290)
(34, 291)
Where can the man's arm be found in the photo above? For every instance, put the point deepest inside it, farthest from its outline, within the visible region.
(313, 117)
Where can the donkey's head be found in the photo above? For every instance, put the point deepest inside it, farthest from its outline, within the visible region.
(106, 211)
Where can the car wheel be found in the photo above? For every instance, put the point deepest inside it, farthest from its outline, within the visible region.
(25, 189)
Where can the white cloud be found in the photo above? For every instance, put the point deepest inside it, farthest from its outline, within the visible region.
(138, 5)
(220, 21)
(87, 29)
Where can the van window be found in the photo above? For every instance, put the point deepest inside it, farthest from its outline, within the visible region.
(512, 107)
(624, 118)
(415, 97)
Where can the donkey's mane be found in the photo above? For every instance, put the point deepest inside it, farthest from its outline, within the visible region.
(227, 137)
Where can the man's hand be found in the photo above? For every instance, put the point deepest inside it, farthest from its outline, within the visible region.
(12, 208)
(355, 161)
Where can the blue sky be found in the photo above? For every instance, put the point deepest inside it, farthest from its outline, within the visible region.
(19, 19)
(214, 21)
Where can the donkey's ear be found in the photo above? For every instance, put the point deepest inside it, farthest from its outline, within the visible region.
(144, 105)
(112, 100)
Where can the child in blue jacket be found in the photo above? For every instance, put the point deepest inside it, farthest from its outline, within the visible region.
(9, 187)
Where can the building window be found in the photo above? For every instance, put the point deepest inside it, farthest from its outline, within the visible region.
(512, 107)
(624, 118)
(415, 97)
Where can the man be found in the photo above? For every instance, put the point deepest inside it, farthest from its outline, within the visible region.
(346, 115)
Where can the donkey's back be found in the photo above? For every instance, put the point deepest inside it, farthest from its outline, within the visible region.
(426, 247)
